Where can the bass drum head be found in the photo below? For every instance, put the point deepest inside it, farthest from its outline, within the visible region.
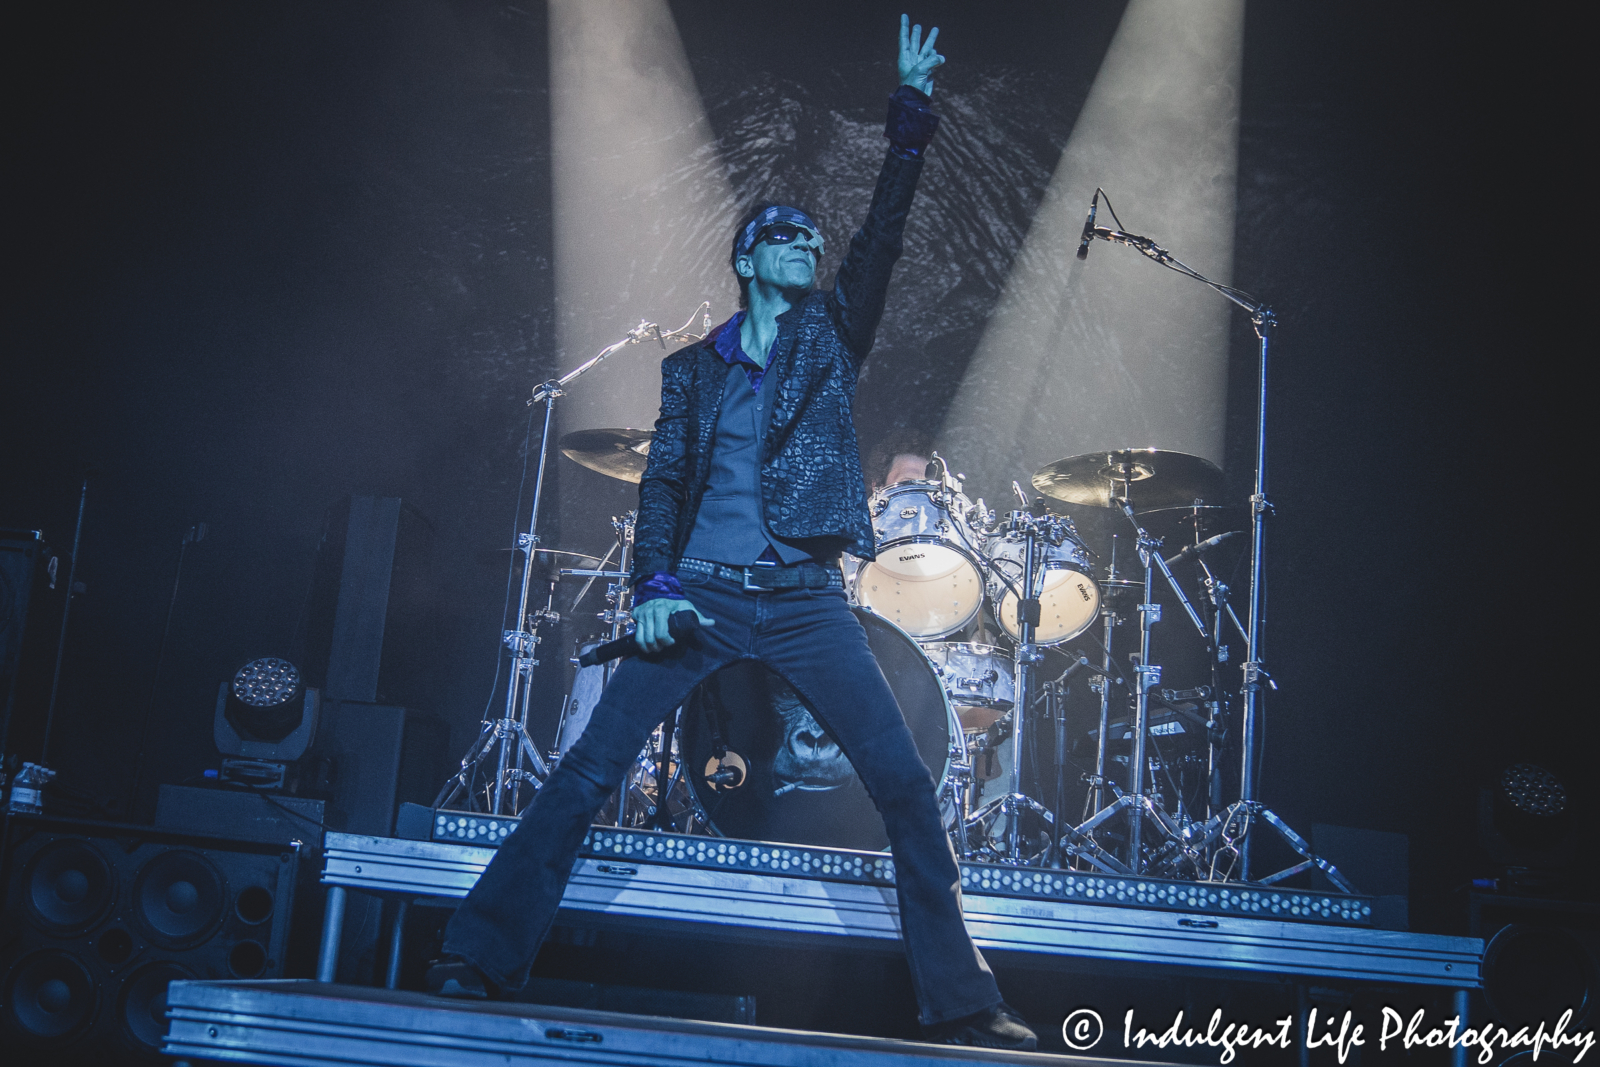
(797, 785)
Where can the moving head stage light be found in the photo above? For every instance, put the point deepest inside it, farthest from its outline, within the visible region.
(266, 719)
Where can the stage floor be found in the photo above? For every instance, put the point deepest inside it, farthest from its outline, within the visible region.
(296, 1023)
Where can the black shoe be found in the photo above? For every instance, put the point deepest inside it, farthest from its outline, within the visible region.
(453, 976)
(996, 1027)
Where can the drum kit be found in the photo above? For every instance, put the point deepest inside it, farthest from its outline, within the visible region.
(963, 608)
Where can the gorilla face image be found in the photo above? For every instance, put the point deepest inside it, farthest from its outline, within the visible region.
(808, 758)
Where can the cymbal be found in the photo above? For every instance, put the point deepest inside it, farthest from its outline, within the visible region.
(1120, 586)
(618, 453)
(1150, 477)
(552, 552)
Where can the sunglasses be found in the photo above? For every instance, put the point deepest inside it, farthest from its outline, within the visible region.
(782, 233)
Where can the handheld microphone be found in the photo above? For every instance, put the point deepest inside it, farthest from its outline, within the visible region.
(1202, 548)
(1088, 227)
(680, 624)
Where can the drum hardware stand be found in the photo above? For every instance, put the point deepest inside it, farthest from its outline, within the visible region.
(617, 615)
(1102, 683)
(505, 740)
(958, 784)
(1055, 698)
(508, 734)
(1137, 802)
(1216, 707)
(661, 813)
(1010, 806)
(1256, 679)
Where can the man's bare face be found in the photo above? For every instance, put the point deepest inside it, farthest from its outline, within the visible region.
(789, 266)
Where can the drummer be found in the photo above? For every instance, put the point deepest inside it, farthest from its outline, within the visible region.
(902, 455)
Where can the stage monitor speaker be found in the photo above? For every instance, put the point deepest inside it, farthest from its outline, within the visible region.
(369, 758)
(370, 619)
(99, 917)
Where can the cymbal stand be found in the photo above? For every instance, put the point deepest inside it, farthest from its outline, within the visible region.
(1055, 709)
(1103, 683)
(1139, 804)
(1216, 706)
(504, 740)
(1010, 806)
(1256, 679)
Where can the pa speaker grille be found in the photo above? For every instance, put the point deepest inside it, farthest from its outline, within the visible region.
(97, 918)
(70, 886)
(142, 1003)
(51, 994)
(178, 898)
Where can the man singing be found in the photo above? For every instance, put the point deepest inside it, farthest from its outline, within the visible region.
(753, 488)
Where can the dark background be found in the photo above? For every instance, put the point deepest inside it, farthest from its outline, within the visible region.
(266, 256)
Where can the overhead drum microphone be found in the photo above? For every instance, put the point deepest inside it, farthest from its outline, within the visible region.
(1088, 226)
(1194, 551)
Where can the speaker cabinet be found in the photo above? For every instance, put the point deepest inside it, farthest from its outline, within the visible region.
(100, 917)
(1541, 957)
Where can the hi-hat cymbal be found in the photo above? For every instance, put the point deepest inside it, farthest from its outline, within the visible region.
(619, 453)
(1149, 477)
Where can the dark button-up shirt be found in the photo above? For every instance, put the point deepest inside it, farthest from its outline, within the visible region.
(854, 307)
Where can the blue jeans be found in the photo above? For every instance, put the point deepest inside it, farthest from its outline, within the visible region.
(810, 638)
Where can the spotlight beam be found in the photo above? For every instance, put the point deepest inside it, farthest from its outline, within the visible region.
(1110, 353)
(642, 200)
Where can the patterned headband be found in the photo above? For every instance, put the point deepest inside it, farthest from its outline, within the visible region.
(747, 239)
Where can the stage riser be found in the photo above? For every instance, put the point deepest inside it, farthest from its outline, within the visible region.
(876, 868)
(754, 907)
(307, 1024)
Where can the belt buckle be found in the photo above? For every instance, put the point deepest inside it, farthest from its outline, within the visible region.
(749, 587)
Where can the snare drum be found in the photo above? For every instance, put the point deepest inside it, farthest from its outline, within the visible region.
(927, 579)
(977, 678)
(1070, 599)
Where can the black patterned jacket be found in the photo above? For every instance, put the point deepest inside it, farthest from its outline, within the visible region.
(811, 483)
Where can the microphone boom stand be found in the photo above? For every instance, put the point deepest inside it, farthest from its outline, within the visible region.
(505, 741)
(1256, 679)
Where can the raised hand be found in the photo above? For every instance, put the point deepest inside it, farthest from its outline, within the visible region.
(917, 57)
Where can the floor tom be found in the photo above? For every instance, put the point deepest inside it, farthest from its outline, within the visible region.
(977, 678)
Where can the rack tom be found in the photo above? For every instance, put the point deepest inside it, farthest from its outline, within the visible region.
(1069, 600)
(927, 578)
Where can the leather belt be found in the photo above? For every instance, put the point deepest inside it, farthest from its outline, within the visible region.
(805, 575)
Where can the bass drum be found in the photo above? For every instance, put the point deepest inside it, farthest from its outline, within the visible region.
(784, 777)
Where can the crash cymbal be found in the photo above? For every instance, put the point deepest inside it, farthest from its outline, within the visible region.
(619, 453)
(549, 552)
(565, 552)
(1149, 477)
